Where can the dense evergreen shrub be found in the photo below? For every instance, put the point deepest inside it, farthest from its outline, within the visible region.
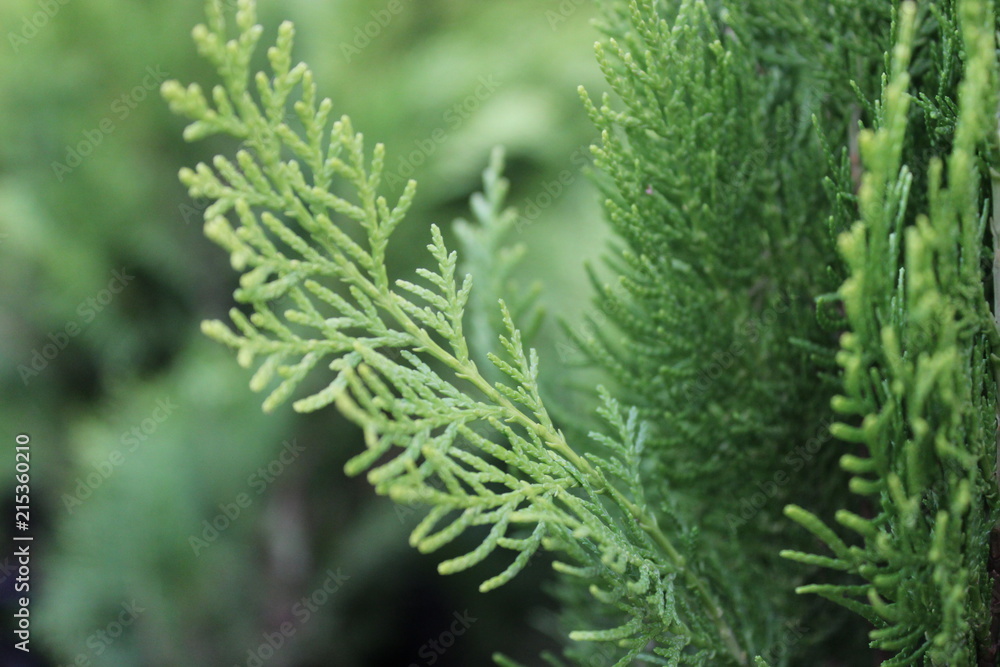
(794, 327)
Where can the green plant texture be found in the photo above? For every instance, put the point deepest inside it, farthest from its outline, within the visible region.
(793, 329)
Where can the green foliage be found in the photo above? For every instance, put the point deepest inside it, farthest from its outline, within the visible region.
(382, 338)
(919, 389)
(122, 210)
(489, 257)
(731, 181)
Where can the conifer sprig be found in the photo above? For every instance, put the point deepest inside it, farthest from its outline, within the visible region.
(438, 432)
(490, 257)
(726, 298)
(713, 191)
(919, 390)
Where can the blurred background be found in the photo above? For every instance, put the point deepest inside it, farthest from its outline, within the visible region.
(173, 522)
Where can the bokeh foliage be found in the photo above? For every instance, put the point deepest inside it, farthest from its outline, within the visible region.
(62, 233)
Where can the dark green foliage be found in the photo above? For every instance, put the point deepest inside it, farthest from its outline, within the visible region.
(776, 269)
(919, 388)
